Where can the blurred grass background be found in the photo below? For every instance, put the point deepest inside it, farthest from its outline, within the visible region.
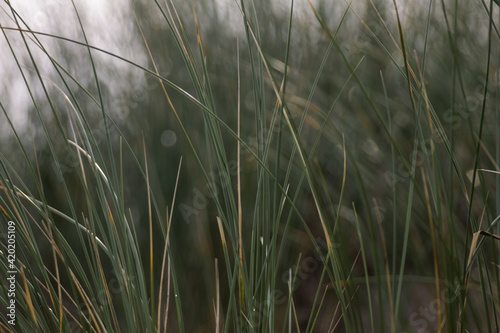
(313, 166)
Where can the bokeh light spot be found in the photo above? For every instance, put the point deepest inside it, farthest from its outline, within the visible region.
(168, 138)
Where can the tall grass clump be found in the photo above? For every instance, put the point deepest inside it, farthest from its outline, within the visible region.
(250, 166)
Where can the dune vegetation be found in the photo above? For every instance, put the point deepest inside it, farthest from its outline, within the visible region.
(250, 166)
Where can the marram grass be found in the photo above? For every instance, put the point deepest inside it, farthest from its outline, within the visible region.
(302, 166)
